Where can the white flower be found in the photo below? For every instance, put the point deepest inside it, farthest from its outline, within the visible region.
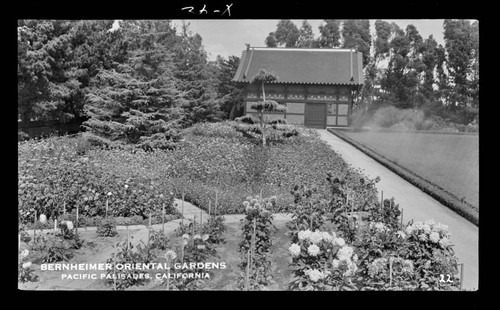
(161, 195)
(205, 237)
(315, 274)
(434, 237)
(380, 227)
(351, 269)
(426, 228)
(355, 258)
(409, 229)
(444, 242)
(109, 194)
(246, 204)
(69, 225)
(197, 236)
(345, 253)
(184, 242)
(339, 242)
(126, 186)
(200, 246)
(401, 234)
(25, 253)
(185, 236)
(316, 237)
(422, 237)
(408, 265)
(335, 263)
(294, 249)
(313, 250)
(43, 218)
(170, 255)
(27, 265)
(304, 234)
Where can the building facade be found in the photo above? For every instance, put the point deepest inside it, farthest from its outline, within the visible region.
(316, 85)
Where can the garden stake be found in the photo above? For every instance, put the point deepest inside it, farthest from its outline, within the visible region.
(261, 193)
(182, 251)
(194, 223)
(461, 275)
(182, 208)
(253, 241)
(76, 224)
(114, 269)
(168, 273)
(149, 228)
(402, 217)
(248, 270)
(216, 200)
(106, 208)
(163, 219)
(390, 272)
(128, 236)
(209, 205)
(34, 227)
(64, 207)
(381, 201)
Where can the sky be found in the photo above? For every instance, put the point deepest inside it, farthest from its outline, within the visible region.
(227, 37)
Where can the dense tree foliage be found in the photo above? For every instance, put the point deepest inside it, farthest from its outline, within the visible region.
(402, 68)
(137, 83)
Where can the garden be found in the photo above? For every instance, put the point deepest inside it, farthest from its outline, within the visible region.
(290, 215)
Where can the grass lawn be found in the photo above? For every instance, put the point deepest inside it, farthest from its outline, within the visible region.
(449, 161)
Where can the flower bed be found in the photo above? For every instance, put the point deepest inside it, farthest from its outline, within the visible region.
(55, 179)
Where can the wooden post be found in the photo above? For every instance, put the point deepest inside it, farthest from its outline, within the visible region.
(461, 275)
(194, 223)
(209, 206)
(19, 242)
(76, 220)
(64, 207)
(106, 208)
(163, 219)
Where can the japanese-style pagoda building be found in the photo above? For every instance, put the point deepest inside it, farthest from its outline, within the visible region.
(316, 85)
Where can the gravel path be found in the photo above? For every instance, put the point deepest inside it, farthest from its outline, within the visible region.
(417, 205)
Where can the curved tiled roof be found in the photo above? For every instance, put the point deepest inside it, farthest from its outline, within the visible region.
(303, 65)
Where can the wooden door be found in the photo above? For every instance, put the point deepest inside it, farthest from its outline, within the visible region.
(315, 116)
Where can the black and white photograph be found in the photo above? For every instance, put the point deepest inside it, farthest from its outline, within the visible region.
(228, 154)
